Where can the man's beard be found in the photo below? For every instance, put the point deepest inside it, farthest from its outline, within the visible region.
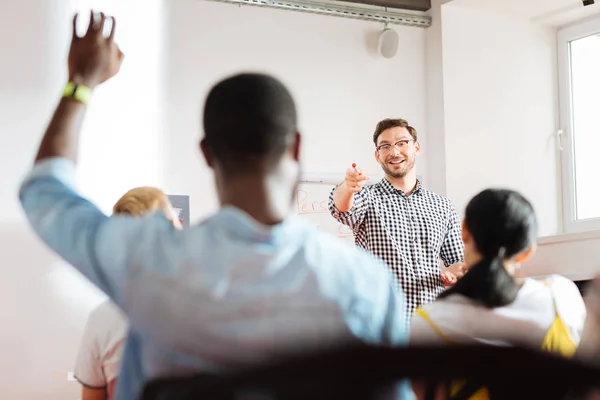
(409, 164)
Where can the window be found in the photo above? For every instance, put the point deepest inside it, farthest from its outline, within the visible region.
(579, 80)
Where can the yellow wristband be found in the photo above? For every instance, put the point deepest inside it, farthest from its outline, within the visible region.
(80, 93)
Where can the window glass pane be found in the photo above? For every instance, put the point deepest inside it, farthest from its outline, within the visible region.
(585, 81)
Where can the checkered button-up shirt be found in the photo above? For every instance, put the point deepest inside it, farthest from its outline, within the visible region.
(410, 233)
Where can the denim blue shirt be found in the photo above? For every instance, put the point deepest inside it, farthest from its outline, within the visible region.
(223, 294)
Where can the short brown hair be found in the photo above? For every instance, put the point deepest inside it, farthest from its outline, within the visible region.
(393, 123)
(142, 200)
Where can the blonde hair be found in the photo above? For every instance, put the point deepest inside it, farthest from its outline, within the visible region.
(142, 200)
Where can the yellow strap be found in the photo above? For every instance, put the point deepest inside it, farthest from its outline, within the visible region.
(553, 300)
(558, 337)
(421, 313)
(80, 93)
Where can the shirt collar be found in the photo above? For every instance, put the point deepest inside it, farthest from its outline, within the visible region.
(240, 224)
(389, 188)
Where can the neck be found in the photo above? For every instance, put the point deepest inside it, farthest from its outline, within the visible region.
(510, 265)
(267, 199)
(407, 183)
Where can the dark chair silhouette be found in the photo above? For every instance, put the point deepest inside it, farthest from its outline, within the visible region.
(365, 372)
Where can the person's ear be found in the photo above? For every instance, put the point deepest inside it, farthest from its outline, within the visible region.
(525, 255)
(417, 148)
(206, 153)
(296, 144)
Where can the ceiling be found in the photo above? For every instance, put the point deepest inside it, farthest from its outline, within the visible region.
(551, 12)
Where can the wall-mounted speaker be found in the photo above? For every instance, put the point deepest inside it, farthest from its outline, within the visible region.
(388, 43)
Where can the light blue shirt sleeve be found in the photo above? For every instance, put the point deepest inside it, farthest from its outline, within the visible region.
(102, 248)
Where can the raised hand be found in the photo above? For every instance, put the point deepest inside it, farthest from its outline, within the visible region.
(355, 179)
(94, 58)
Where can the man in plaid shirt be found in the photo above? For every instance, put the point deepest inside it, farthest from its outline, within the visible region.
(398, 220)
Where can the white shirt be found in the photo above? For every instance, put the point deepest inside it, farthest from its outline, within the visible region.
(101, 350)
(525, 321)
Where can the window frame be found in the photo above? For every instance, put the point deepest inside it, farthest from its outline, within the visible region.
(565, 36)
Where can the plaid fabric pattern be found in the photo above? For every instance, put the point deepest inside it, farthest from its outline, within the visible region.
(410, 233)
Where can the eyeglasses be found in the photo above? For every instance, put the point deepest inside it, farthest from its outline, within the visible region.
(385, 149)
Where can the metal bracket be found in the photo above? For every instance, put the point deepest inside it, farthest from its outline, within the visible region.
(367, 13)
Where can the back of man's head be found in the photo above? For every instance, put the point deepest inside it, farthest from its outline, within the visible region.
(249, 122)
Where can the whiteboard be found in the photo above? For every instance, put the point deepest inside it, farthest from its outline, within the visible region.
(311, 203)
(312, 197)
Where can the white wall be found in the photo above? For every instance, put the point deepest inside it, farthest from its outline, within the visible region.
(341, 87)
(500, 99)
(122, 130)
(41, 311)
(576, 256)
(45, 303)
(436, 123)
(496, 74)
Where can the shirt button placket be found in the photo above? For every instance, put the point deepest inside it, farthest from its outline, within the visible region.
(412, 233)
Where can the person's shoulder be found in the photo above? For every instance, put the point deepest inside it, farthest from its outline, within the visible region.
(447, 308)
(325, 242)
(107, 315)
(420, 330)
(361, 284)
(442, 313)
(565, 292)
(562, 284)
(437, 198)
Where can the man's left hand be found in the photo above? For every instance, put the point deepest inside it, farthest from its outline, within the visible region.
(453, 273)
(94, 58)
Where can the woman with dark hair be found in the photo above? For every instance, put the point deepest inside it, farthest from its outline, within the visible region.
(489, 305)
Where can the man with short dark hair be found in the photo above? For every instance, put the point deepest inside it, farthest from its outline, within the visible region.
(249, 284)
(398, 220)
